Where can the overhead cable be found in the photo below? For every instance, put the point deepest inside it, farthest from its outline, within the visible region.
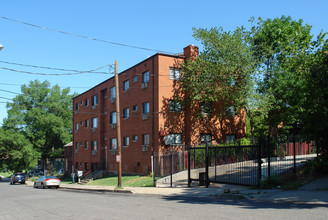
(85, 37)
(50, 68)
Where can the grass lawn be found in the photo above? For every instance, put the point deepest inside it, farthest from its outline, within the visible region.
(133, 181)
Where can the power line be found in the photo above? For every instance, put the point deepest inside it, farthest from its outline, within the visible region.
(5, 98)
(3, 90)
(50, 68)
(85, 37)
(56, 74)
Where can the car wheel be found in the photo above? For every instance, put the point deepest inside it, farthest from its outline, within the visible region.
(42, 186)
(57, 187)
(34, 185)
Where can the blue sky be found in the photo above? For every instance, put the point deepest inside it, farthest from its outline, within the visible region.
(158, 25)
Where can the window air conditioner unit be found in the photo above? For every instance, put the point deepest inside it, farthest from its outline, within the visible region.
(144, 116)
(144, 148)
(144, 85)
(94, 152)
(112, 152)
(93, 107)
(113, 126)
(113, 100)
(93, 129)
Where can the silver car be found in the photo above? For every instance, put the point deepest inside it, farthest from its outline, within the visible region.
(47, 181)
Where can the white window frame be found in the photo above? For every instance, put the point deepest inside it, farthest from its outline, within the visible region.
(145, 108)
(126, 85)
(126, 141)
(94, 145)
(145, 139)
(135, 79)
(135, 138)
(113, 118)
(94, 100)
(112, 92)
(145, 77)
(126, 113)
(86, 103)
(173, 139)
(94, 122)
(175, 73)
(175, 106)
(86, 145)
(113, 144)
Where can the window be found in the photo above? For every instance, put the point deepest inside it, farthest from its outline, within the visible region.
(126, 85)
(206, 107)
(174, 106)
(126, 141)
(230, 138)
(112, 93)
(135, 108)
(94, 123)
(230, 110)
(112, 119)
(175, 73)
(173, 139)
(145, 77)
(205, 138)
(76, 127)
(145, 108)
(135, 138)
(145, 139)
(94, 100)
(125, 113)
(76, 146)
(113, 143)
(86, 103)
(81, 164)
(86, 123)
(76, 106)
(135, 79)
(81, 123)
(86, 145)
(81, 144)
(94, 145)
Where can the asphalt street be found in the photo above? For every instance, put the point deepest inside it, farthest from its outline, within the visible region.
(25, 202)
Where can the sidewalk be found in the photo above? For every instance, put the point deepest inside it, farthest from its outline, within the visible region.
(315, 192)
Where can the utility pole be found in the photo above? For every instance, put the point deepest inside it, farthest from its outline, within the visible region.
(118, 129)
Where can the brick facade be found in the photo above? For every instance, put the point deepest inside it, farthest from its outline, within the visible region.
(144, 87)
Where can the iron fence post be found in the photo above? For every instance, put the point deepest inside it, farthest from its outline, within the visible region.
(189, 180)
(259, 161)
(269, 156)
(206, 164)
(171, 166)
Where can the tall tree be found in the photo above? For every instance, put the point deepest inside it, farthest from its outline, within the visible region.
(44, 115)
(16, 152)
(220, 74)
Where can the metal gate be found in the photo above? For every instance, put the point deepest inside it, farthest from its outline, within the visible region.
(228, 164)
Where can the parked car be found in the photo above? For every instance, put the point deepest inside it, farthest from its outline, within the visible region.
(47, 181)
(18, 177)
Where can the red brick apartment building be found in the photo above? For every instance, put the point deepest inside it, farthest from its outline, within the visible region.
(148, 115)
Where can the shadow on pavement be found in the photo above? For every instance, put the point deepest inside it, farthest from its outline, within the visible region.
(243, 203)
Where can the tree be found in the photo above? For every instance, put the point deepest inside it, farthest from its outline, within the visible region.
(220, 74)
(44, 115)
(278, 47)
(16, 152)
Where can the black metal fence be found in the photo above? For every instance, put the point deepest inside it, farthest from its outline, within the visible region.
(245, 165)
(233, 164)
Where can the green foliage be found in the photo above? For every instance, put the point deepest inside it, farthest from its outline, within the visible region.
(43, 115)
(16, 152)
(222, 71)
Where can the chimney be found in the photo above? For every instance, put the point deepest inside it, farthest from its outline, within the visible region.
(190, 52)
